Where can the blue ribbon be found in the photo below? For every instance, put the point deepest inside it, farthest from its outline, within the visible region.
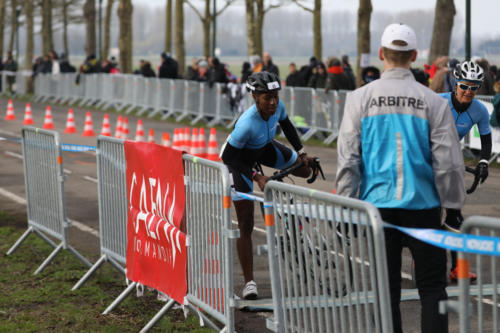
(77, 148)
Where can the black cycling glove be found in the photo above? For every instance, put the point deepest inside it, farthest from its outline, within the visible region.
(482, 171)
(453, 220)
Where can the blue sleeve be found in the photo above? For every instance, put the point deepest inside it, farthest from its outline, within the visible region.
(240, 136)
(281, 111)
(483, 124)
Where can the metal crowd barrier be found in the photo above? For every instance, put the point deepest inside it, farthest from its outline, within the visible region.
(112, 195)
(44, 181)
(473, 302)
(327, 262)
(210, 232)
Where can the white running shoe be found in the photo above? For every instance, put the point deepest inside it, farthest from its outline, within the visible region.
(250, 290)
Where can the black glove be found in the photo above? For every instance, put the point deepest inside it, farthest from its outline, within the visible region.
(482, 171)
(453, 220)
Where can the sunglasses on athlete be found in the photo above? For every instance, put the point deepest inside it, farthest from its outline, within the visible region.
(467, 87)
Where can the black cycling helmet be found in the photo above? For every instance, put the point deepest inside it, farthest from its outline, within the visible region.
(263, 82)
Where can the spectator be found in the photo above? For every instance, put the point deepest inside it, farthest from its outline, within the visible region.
(46, 64)
(294, 79)
(406, 160)
(495, 116)
(192, 70)
(169, 68)
(319, 77)
(203, 71)
(147, 70)
(337, 80)
(369, 74)
(493, 72)
(438, 83)
(216, 71)
(307, 70)
(246, 71)
(256, 63)
(420, 76)
(10, 65)
(65, 66)
(138, 71)
(348, 72)
(268, 64)
(90, 65)
(487, 86)
(54, 59)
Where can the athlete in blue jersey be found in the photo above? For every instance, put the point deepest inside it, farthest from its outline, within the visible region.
(468, 112)
(253, 141)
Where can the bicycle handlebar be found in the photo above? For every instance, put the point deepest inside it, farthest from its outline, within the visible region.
(476, 180)
(314, 165)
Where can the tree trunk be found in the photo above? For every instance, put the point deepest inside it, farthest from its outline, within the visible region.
(258, 27)
(28, 13)
(206, 29)
(125, 10)
(47, 41)
(180, 51)
(107, 29)
(364, 17)
(443, 24)
(3, 4)
(318, 40)
(64, 9)
(168, 27)
(251, 44)
(89, 15)
(13, 21)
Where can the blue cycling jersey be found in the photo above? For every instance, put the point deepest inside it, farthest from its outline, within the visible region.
(476, 113)
(253, 132)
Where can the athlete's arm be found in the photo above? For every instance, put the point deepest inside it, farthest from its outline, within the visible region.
(291, 133)
(486, 147)
(232, 156)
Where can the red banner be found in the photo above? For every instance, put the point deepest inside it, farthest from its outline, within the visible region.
(156, 247)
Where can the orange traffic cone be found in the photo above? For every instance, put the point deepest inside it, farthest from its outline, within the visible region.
(47, 122)
(212, 151)
(180, 139)
(125, 131)
(10, 111)
(88, 130)
(151, 136)
(175, 142)
(70, 123)
(194, 150)
(165, 140)
(106, 127)
(187, 139)
(202, 143)
(118, 128)
(139, 131)
(28, 119)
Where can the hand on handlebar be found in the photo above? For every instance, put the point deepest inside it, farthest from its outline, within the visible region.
(261, 180)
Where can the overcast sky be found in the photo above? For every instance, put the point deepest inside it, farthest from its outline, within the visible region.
(485, 20)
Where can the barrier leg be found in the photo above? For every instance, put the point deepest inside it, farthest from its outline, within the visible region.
(45, 238)
(117, 266)
(79, 256)
(157, 316)
(205, 318)
(20, 240)
(49, 258)
(120, 298)
(89, 273)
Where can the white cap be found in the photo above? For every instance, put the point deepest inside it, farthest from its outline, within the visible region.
(402, 32)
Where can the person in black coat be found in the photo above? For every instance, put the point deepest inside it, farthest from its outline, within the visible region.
(147, 71)
(294, 79)
(216, 71)
(268, 64)
(169, 68)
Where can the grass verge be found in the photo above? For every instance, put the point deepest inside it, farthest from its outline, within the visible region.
(45, 303)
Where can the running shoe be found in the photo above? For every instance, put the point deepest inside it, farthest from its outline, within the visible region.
(250, 290)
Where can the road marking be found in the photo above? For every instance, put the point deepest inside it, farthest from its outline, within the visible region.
(22, 201)
(486, 301)
(19, 156)
(90, 179)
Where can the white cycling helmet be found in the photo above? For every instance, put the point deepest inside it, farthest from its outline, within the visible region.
(469, 71)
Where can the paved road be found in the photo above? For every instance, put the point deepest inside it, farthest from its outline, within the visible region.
(81, 190)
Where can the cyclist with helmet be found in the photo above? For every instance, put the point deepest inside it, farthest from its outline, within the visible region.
(467, 112)
(251, 141)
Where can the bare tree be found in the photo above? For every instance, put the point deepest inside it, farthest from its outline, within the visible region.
(90, 22)
(107, 29)
(206, 21)
(168, 27)
(28, 13)
(180, 50)
(13, 24)
(47, 39)
(66, 12)
(364, 17)
(255, 12)
(125, 11)
(443, 24)
(317, 39)
(3, 4)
